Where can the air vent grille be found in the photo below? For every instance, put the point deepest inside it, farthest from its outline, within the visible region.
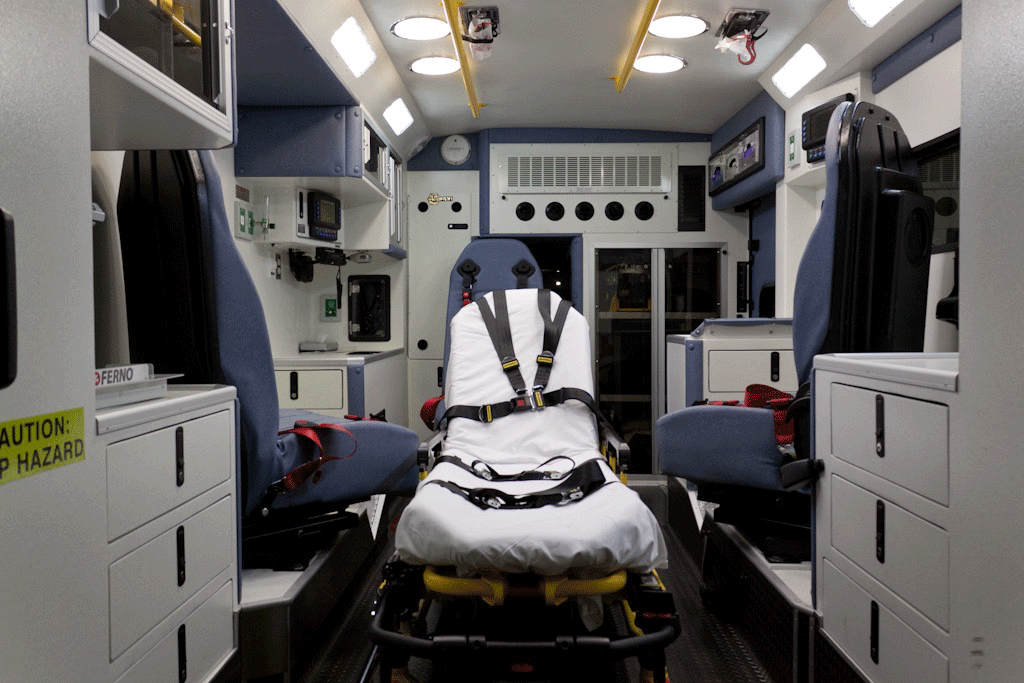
(620, 173)
(944, 169)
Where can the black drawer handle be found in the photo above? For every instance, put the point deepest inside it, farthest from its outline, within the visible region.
(8, 336)
(293, 381)
(181, 556)
(179, 454)
(182, 656)
(775, 366)
(874, 632)
(880, 531)
(879, 426)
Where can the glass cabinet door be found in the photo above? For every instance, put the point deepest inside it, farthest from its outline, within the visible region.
(641, 295)
(623, 346)
(179, 38)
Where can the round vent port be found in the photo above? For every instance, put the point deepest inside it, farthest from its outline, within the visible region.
(614, 211)
(525, 211)
(554, 211)
(644, 211)
(584, 211)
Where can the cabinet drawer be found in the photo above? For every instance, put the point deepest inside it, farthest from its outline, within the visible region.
(311, 389)
(733, 371)
(144, 479)
(915, 451)
(207, 638)
(877, 641)
(908, 554)
(144, 584)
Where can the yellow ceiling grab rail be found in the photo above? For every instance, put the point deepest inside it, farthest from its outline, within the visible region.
(176, 13)
(638, 41)
(451, 9)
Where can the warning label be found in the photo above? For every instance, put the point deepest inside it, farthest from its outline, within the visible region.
(36, 444)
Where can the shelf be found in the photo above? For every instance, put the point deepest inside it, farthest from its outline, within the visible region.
(624, 398)
(812, 176)
(352, 191)
(624, 315)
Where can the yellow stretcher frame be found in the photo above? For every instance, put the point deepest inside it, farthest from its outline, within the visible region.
(494, 589)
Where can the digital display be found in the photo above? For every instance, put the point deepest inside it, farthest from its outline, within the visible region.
(324, 210)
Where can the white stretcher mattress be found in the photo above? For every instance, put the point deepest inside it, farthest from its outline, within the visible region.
(609, 529)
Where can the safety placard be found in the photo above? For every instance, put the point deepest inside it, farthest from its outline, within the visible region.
(33, 445)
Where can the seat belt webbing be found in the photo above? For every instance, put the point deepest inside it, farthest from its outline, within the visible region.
(552, 333)
(481, 469)
(583, 481)
(497, 325)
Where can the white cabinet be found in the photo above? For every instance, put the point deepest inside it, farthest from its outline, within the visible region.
(883, 510)
(722, 357)
(172, 534)
(160, 74)
(360, 383)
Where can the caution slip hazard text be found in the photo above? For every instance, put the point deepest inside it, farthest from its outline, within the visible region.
(33, 445)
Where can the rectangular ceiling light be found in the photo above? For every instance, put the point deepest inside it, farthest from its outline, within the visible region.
(398, 117)
(799, 70)
(353, 48)
(870, 12)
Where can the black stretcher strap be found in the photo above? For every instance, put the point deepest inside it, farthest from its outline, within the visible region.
(481, 469)
(498, 328)
(580, 483)
(534, 401)
(552, 333)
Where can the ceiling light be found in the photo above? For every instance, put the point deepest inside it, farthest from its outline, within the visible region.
(435, 66)
(799, 70)
(658, 64)
(398, 117)
(870, 12)
(421, 28)
(353, 48)
(678, 26)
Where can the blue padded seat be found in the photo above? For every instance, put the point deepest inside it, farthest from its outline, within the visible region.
(736, 445)
(210, 326)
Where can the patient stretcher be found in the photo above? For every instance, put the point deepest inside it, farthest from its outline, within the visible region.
(521, 518)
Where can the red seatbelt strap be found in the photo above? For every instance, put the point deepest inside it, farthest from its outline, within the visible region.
(294, 479)
(764, 396)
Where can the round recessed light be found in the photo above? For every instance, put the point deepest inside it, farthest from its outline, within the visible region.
(421, 28)
(658, 64)
(435, 66)
(678, 26)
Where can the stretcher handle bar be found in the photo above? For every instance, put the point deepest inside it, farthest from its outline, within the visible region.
(622, 647)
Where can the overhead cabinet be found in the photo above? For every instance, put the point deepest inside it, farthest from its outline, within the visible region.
(287, 153)
(160, 74)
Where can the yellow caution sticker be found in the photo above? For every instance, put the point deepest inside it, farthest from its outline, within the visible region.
(33, 445)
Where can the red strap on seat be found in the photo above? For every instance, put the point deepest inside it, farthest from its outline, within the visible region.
(294, 479)
(764, 396)
(429, 410)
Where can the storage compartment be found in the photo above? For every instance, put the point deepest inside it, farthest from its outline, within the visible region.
(201, 643)
(916, 458)
(873, 638)
(172, 61)
(908, 554)
(311, 389)
(152, 581)
(150, 474)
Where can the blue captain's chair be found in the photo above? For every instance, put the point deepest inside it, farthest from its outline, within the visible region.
(194, 309)
(861, 286)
